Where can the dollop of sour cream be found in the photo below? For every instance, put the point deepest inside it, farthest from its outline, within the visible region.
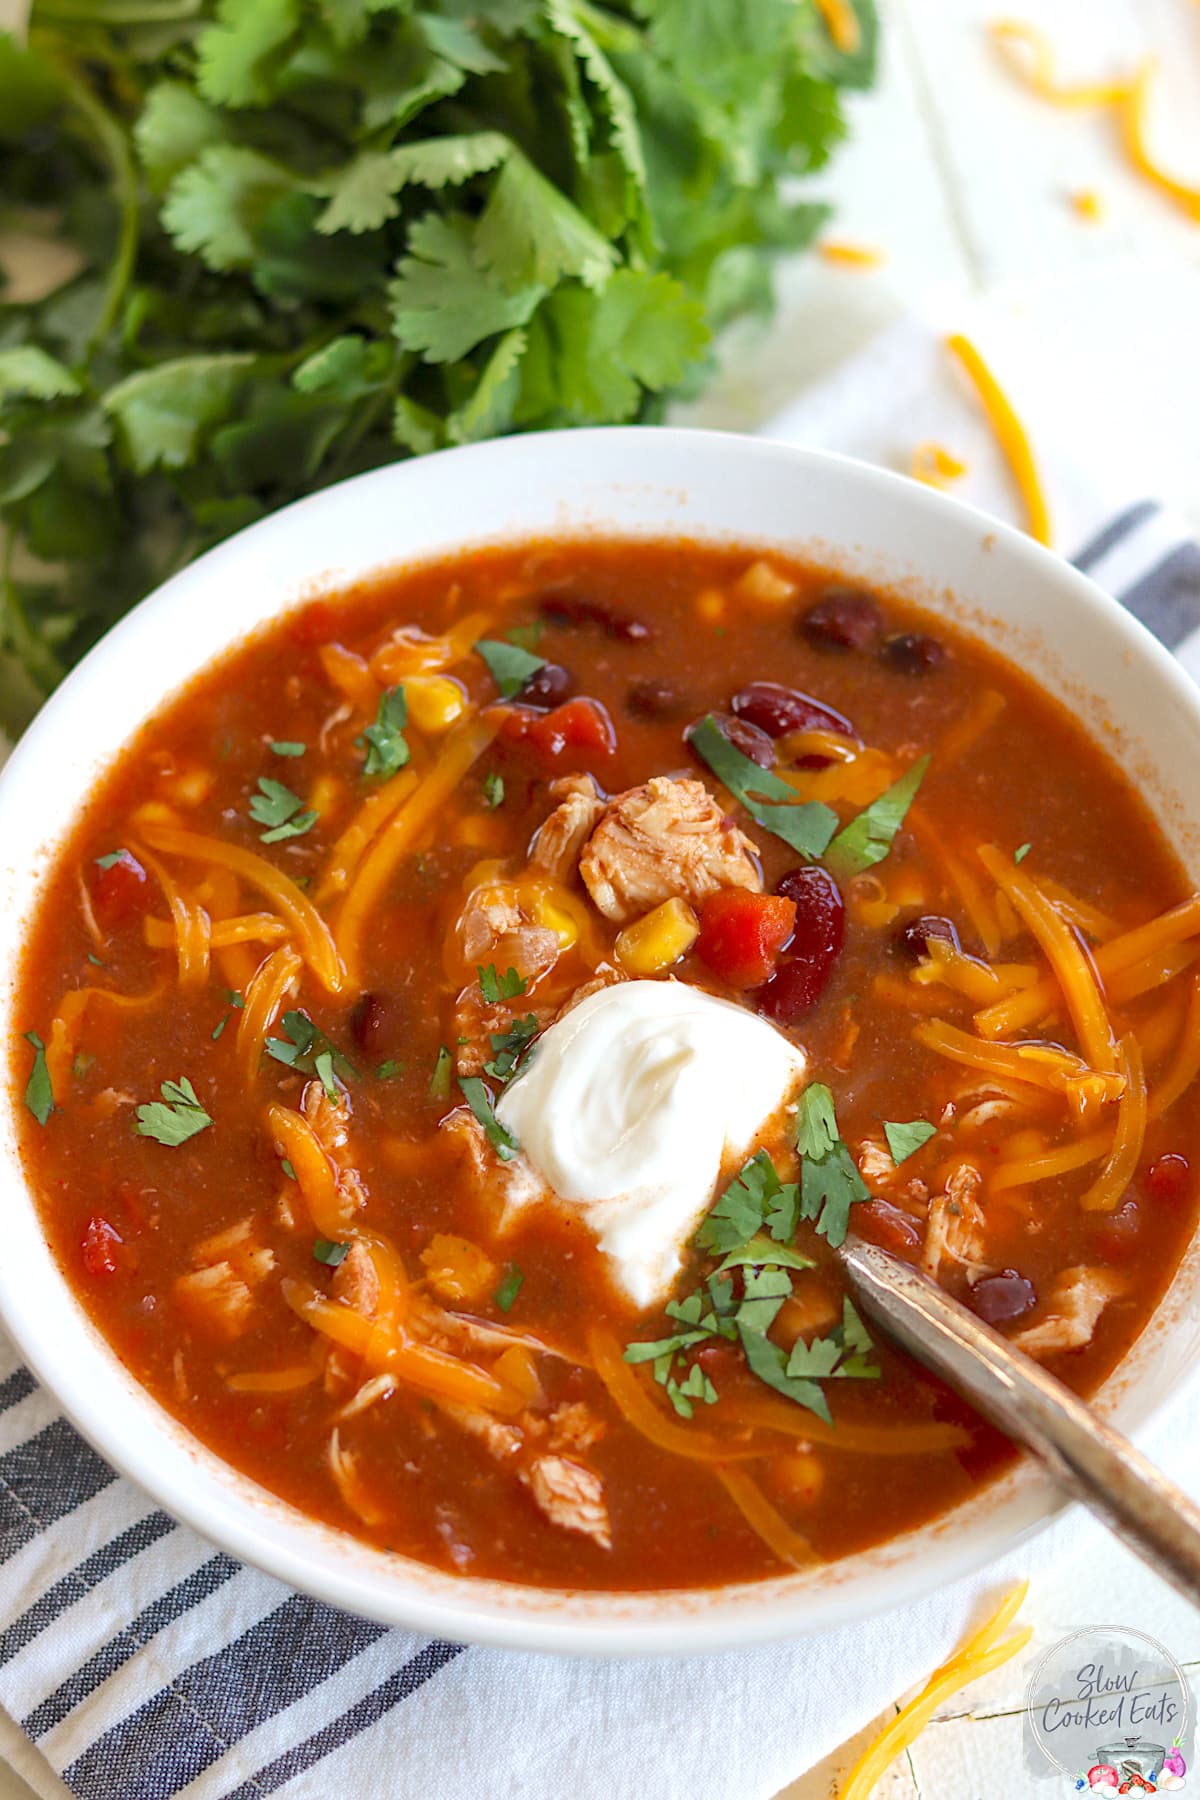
(630, 1103)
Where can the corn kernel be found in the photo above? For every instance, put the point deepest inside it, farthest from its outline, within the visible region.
(796, 1475)
(554, 917)
(190, 786)
(710, 604)
(654, 942)
(765, 585)
(156, 812)
(434, 702)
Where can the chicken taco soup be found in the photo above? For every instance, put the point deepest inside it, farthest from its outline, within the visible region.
(464, 1024)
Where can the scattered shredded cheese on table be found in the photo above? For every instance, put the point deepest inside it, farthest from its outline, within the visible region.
(1014, 37)
(1010, 434)
(935, 465)
(841, 22)
(984, 1650)
(850, 256)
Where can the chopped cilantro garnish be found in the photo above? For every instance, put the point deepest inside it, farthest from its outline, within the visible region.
(807, 825)
(113, 857)
(177, 1117)
(761, 1250)
(308, 1049)
(387, 746)
(286, 747)
(220, 1026)
(754, 1198)
(278, 808)
(495, 988)
(508, 1045)
(287, 1168)
(95, 961)
(1021, 853)
(39, 1095)
(439, 1081)
(829, 1179)
(234, 998)
(510, 1287)
(493, 789)
(868, 837)
(329, 1252)
(510, 666)
(81, 1064)
(844, 1354)
(904, 1140)
(388, 1070)
(480, 1102)
(528, 636)
(694, 1386)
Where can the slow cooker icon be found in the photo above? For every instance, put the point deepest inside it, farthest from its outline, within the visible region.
(1132, 1756)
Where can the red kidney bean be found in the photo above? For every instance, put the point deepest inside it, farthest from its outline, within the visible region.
(1167, 1177)
(655, 700)
(912, 938)
(380, 1024)
(913, 653)
(998, 1299)
(574, 609)
(743, 736)
(1113, 1233)
(820, 928)
(776, 710)
(548, 686)
(843, 620)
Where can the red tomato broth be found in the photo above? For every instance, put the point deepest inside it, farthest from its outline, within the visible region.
(445, 1499)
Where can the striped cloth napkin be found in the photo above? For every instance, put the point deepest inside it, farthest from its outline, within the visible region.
(137, 1662)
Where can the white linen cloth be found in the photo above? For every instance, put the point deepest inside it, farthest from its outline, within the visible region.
(138, 1663)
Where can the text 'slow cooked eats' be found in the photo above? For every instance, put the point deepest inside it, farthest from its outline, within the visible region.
(463, 1026)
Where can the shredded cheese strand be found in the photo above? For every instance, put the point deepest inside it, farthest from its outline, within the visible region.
(250, 928)
(312, 933)
(1134, 108)
(786, 1542)
(934, 465)
(769, 1414)
(274, 980)
(841, 22)
(1037, 71)
(1010, 435)
(1023, 1171)
(192, 935)
(315, 1174)
(1121, 953)
(637, 1408)
(1071, 965)
(1125, 1154)
(849, 256)
(979, 908)
(1185, 1065)
(370, 818)
(966, 731)
(62, 1040)
(460, 749)
(984, 1650)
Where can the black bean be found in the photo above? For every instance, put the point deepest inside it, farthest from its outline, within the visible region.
(912, 938)
(777, 710)
(843, 620)
(998, 1299)
(913, 653)
(574, 609)
(655, 699)
(548, 686)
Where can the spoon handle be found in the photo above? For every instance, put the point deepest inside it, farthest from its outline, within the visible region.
(1091, 1461)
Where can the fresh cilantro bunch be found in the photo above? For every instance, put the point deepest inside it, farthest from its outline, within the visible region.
(299, 238)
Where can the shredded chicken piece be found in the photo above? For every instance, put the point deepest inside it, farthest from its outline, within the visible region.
(500, 1440)
(477, 1021)
(355, 1282)
(574, 1426)
(571, 1496)
(664, 839)
(509, 1186)
(330, 1122)
(955, 1228)
(343, 1466)
(565, 831)
(380, 1387)
(1076, 1301)
(492, 929)
(875, 1163)
(217, 1298)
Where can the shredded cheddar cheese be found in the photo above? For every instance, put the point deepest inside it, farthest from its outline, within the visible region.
(1029, 55)
(1134, 108)
(935, 465)
(1087, 205)
(841, 22)
(1010, 435)
(850, 256)
(1118, 1171)
(984, 1650)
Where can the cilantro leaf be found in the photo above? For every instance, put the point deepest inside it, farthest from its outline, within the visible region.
(694, 1386)
(285, 747)
(510, 666)
(112, 858)
(27, 370)
(762, 1251)
(530, 234)
(829, 1179)
(806, 825)
(480, 1102)
(844, 1354)
(904, 1140)
(443, 302)
(493, 789)
(770, 1363)
(509, 1288)
(496, 988)
(439, 1081)
(868, 837)
(387, 747)
(176, 1118)
(277, 807)
(329, 1252)
(166, 414)
(39, 1095)
(307, 1049)
(364, 194)
(1021, 852)
(387, 1071)
(507, 1047)
(740, 1211)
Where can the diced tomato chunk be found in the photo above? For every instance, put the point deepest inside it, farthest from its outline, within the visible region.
(101, 1246)
(741, 934)
(119, 892)
(580, 724)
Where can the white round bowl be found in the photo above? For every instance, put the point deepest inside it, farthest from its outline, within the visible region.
(990, 580)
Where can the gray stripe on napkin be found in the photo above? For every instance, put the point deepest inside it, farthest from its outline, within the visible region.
(128, 1642)
(210, 1706)
(1167, 600)
(17, 1386)
(80, 1580)
(368, 1711)
(42, 1480)
(1113, 532)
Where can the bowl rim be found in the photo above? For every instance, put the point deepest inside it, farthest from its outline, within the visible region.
(662, 1621)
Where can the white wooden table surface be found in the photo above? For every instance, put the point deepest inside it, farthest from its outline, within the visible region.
(963, 182)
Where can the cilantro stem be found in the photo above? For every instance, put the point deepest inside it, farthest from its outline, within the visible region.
(115, 145)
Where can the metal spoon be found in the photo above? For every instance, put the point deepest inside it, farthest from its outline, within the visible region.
(1089, 1460)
